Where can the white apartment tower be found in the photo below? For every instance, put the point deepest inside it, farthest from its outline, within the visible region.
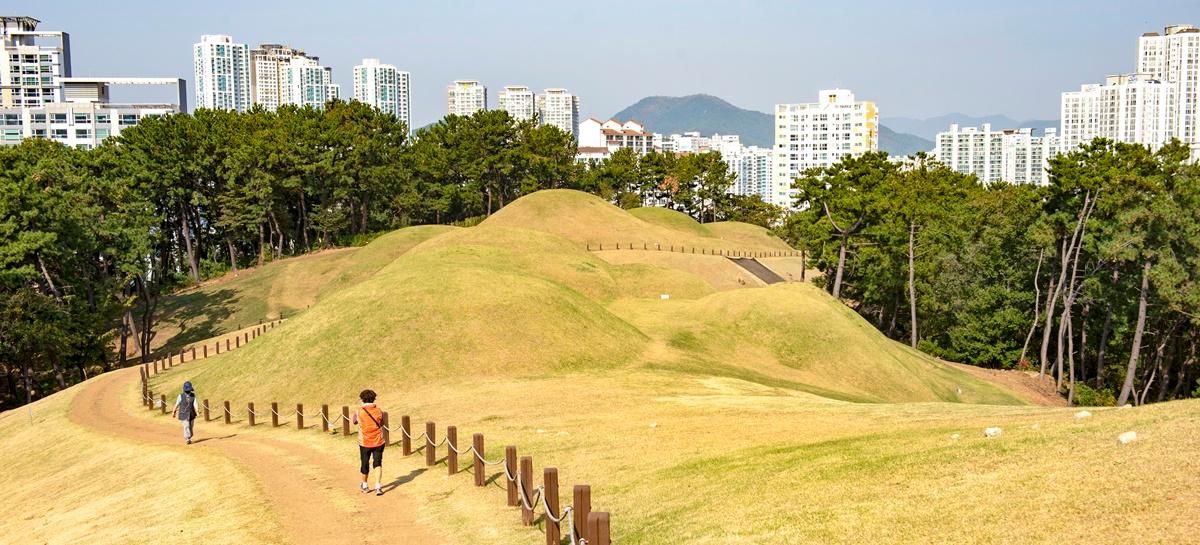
(818, 134)
(384, 87)
(1011, 155)
(30, 69)
(307, 83)
(1133, 108)
(268, 73)
(559, 108)
(1173, 58)
(465, 97)
(222, 73)
(518, 101)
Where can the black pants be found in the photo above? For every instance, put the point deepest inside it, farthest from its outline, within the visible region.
(365, 454)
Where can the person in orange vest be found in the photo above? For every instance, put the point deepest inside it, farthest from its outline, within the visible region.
(369, 419)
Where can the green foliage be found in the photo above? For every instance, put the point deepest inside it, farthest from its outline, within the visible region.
(1088, 397)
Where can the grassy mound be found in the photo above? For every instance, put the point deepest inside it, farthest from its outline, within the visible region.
(671, 219)
(284, 286)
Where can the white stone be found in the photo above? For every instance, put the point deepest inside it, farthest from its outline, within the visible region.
(1035, 426)
(955, 436)
(654, 424)
(664, 296)
(1125, 406)
(1127, 437)
(993, 432)
(540, 430)
(1082, 414)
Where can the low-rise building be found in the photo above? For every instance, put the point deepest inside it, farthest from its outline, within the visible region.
(598, 139)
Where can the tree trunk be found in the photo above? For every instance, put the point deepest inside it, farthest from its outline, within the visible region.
(193, 267)
(1100, 350)
(46, 276)
(1139, 330)
(1037, 305)
(1060, 347)
(803, 263)
(304, 222)
(841, 266)
(912, 284)
(232, 254)
(1070, 358)
(261, 244)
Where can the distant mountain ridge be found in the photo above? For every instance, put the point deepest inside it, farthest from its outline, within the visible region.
(708, 114)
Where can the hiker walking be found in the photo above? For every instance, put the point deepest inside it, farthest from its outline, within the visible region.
(186, 408)
(369, 420)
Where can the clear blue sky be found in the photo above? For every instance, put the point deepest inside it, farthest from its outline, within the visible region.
(917, 58)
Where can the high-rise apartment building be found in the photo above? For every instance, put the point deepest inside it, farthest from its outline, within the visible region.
(465, 97)
(222, 70)
(518, 101)
(307, 83)
(268, 73)
(1173, 58)
(29, 69)
(559, 108)
(384, 87)
(1133, 108)
(818, 134)
(1011, 155)
(751, 165)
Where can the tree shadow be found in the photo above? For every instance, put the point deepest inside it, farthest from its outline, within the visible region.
(198, 315)
(403, 479)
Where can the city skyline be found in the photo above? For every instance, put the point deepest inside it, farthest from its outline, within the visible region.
(976, 61)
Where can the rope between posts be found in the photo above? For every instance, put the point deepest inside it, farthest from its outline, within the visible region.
(486, 462)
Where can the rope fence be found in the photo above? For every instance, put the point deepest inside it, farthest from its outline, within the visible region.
(577, 521)
(684, 249)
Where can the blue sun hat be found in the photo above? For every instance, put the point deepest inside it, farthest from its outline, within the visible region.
(187, 386)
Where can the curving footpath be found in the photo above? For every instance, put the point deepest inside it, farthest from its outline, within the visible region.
(313, 494)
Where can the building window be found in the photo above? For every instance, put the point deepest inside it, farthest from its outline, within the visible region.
(60, 134)
(58, 118)
(82, 118)
(83, 133)
(128, 120)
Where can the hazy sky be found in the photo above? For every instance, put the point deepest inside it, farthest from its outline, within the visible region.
(916, 58)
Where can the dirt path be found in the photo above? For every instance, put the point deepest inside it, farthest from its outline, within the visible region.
(1023, 383)
(312, 493)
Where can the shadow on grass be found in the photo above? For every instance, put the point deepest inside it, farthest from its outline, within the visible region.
(232, 435)
(198, 315)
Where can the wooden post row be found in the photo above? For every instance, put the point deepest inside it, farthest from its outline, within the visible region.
(430, 439)
(598, 531)
(477, 462)
(451, 450)
(206, 351)
(510, 466)
(527, 490)
(405, 435)
(150, 399)
(206, 412)
(163, 399)
(581, 507)
(550, 485)
(193, 353)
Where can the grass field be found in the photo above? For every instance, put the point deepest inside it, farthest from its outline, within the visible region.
(728, 413)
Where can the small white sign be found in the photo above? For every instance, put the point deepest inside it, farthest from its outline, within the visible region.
(664, 296)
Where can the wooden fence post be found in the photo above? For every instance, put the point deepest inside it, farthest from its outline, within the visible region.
(405, 435)
(430, 439)
(451, 453)
(237, 342)
(228, 414)
(581, 507)
(527, 490)
(550, 492)
(299, 416)
(206, 351)
(247, 336)
(193, 353)
(206, 414)
(150, 399)
(250, 413)
(510, 468)
(387, 435)
(274, 414)
(345, 420)
(325, 418)
(598, 529)
(163, 397)
(477, 444)
(226, 344)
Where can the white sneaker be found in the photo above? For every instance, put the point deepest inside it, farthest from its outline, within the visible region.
(364, 488)
(378, 490)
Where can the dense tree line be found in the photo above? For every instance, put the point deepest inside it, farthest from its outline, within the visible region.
(1092, 279)
(91, 239)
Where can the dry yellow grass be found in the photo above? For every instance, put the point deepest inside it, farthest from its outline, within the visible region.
(64, 483)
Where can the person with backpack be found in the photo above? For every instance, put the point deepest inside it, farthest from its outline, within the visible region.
(369, 419)
(186, 408)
